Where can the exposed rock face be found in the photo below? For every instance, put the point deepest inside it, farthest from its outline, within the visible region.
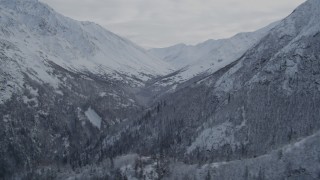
(58, 77)
(256, 117)
(262, 102)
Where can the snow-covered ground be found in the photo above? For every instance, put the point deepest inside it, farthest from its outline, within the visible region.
(209, 56)
(93, 117)
(33, 36)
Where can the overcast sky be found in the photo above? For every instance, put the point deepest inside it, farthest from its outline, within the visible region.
(160, 23)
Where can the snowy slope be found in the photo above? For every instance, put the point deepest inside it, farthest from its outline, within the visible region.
(210, 55)
(257, 107)
(257, 117)
(33, 36)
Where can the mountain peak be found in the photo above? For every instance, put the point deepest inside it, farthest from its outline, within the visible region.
(310, 6)
(16, 3)
(313, 2)
(39, 31)
(28, 7)
(304, 20)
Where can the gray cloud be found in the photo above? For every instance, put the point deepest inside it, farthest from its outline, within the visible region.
(160, 23)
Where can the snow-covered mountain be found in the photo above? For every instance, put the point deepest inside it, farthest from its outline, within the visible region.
(257, 117)
(209, 56)
(36, 35)
(63, 83)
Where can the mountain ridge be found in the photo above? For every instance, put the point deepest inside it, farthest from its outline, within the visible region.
(57, 26)
(256, 117)
(245, 118)
(209, 56)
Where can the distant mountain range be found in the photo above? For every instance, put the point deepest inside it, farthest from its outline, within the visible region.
(79, 102)
(209, 56)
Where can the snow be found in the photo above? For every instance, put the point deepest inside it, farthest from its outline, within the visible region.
(6, 118)
(213, 138)
(35, 35)
(209, 56)
(217, 136)
(93, 117)
(303, 153)
(11, 80)
(301, 142)
(110, 141)
(303, 23)
(28, 100)
(225, 82)
(124, 160)
(66, 142)
(102, 94)
(32, 91)
(150, 172)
